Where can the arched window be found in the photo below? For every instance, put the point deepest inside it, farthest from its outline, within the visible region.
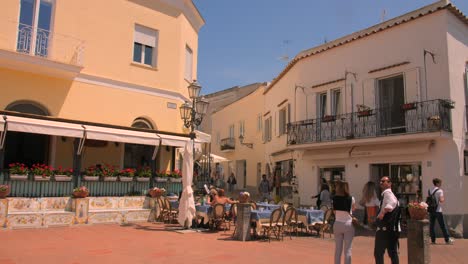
(26, 147)
(138, 155)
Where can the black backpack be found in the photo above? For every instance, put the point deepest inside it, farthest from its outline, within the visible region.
(431, 201)
(391, 220)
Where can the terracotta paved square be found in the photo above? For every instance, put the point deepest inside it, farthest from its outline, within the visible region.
(151, 243)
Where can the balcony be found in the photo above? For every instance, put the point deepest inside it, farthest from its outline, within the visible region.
(228, 144)
(409, 118)
(36, 50)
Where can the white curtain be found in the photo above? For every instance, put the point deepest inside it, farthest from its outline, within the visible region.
(187, 202)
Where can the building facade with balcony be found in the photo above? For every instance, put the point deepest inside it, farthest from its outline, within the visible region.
(388, 100)
(237, 136)
(117, 69)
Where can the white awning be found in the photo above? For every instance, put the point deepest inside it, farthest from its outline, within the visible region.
(121, 135)
(2, 123)
(40, 126)
(202, 137)
(176, 141)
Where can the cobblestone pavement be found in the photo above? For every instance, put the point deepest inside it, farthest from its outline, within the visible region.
(152, 243)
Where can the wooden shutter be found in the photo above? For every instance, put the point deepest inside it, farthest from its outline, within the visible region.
(368, 91)
(412, 86)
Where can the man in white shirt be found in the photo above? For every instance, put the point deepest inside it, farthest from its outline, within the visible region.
(386, 237)
(438, 194)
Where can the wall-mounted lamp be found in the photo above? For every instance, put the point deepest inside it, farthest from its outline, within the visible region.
(241, 140)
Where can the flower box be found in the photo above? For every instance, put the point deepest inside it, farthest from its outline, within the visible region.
(41, 178)
(161, 179)
(63, 178)
(90, 178)
(417, 213)
(448, 104)
(176, 179)
(364, 113)
(408, 106)
(18, 177)
(328, 118)
(110, 179)
(125, 179)
(80, 194)
(142, 179)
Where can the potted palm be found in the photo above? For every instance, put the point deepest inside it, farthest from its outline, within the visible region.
(126, 175)
(144, 174)
(80, 192)
(109, 173)
(42, 172)
(92, 173)
(4, 191)
(18, 171)
(63, 175)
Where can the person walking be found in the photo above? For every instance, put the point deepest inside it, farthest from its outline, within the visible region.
(264, 189)
(231, 182)
(370, 202)
(324, 197)
(436, 213)
(343, 229)
(387, 222)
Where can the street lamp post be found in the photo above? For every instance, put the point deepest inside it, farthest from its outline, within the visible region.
(193, 114)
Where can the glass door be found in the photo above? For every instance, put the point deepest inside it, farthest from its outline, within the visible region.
(391, 97)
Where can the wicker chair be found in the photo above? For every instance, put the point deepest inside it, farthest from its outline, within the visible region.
(296, 224)
(170, 212)
(272, 226)
(232, 217)
(324, 226)
(218, 218)
(162, 209)
(286, 223)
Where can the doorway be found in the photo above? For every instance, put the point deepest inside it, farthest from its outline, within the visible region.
(391, 97)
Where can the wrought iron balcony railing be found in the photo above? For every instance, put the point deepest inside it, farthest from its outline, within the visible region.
(415, 117)
(43, 43)
(228, 144)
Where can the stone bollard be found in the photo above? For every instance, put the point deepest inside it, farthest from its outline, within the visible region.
(243, 222)
(3, 212)
(80, 206)
(418, 242)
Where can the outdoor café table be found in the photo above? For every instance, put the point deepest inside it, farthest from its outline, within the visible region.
(206, 210)
(268, 206)
(309, 216)
(260, 216)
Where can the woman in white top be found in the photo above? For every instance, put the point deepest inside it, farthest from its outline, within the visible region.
(343, 230)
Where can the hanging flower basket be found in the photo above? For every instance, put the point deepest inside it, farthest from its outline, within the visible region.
(63, 178)
(41, 178)
(90, 178)
(18, 177)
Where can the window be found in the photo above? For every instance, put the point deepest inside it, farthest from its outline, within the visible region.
(283, 122)
(322, 105)
(241, 128)
(267, 127)
(336, 102)
(145, 45)
(259, 122)
(34, 27)
(188, 63)
(231, 131)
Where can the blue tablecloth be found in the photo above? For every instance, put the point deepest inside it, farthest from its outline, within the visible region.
(207, 209)
(268, 206)
(259, 214)
(313, 216)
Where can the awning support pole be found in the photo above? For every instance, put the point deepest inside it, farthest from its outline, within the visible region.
(2, 144)
(78, 145)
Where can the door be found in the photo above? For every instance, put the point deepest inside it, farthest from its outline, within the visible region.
(391, 97)
(241, 174)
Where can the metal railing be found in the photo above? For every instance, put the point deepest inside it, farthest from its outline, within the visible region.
(228, 144)
(43, 43)
(409, 118)
(51, 188)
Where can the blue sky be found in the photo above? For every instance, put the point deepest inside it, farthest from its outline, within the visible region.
(243, 41)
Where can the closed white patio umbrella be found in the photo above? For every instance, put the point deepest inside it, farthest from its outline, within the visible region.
(187, 202)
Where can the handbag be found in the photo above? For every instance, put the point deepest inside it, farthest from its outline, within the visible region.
(356, 222)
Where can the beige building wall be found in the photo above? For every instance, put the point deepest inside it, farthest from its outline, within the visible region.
(247, 110)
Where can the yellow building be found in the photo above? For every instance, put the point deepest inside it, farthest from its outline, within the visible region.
(101, 66)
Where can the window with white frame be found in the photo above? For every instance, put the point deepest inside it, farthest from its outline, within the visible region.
(34, 28)
(336, 102)
(267, 129)
(282, 121)
(188, 63)
(231, 131)
(322, 105)
(242, 128)
(145, 43)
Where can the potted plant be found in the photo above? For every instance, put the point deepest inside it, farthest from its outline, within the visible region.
(409, 106)
(157, 192)
(144, 174)
(18, 171)
(62, 175)
(92, 173)
(42, 172)
(328, 118)
(126, 175)
(244, 197)
(176, 176)
(448, 104)
(417, 211)
(4, 191)
(363, 110)
(109, 172)
(80, 192)
(161, 176)
(433, 122)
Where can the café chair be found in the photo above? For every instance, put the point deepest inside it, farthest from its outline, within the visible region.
(325, 226)
(272, 226)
